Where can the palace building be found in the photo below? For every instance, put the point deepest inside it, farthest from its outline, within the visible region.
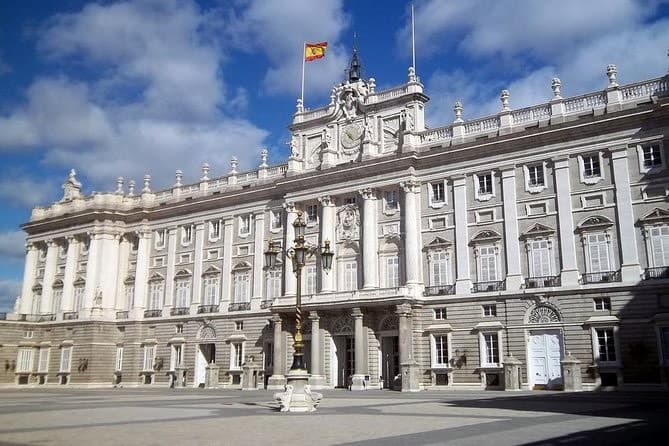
(528, 249)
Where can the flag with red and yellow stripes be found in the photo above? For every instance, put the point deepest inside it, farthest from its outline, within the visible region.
(313, 51)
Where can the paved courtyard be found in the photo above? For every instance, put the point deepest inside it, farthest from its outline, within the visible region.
(217, 417)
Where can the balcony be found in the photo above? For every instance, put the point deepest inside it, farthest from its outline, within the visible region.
(202, 309)
(484, 287)
(239, 306)
(40, 317)
(122, 314)
(179, 311)
(600, 277)
(266, 303)
(153, 313)
(542, 282)
(439, 290)
(660, 272)
(70, 315)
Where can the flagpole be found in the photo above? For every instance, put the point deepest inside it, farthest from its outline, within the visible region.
(413, 41)
(304, 45)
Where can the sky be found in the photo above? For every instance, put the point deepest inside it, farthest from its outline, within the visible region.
(125, 88)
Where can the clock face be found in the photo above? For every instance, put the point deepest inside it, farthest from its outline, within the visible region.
(350, 135)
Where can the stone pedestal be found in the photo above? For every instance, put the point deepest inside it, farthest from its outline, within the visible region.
(571, 374)
(318, 382)
(410, 372)
(298, 396)
(358, 382)
(180, 377)
(211, 376)
(511, 373)
(253, 375)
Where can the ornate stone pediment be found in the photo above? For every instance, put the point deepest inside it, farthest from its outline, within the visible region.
(155, 277)
(656, 215)
(348, 223)
(212, 270)
(593, 223)
(349, 99)
(485, 236)
(438, 243)
(183, 273)
(537, 230)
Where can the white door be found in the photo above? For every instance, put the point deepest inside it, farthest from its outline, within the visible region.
(545, 353)
(200, 367)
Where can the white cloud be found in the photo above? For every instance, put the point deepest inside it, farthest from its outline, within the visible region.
(12, 245)
(18, 188)
(9, 290)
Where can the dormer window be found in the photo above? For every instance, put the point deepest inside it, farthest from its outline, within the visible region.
(391, 201)
(159, 239)
(485, 184)
(312, 213)
(437, 194)
(651, 158)
(275, 218)
(244, 225)
(214, 230)
(186, 235)
(535, 177)
(590, 168)
(484, 189)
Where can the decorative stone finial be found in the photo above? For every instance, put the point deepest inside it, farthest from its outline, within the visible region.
(264, 154)
(612, 72)
(299, 107)
(457, 108)
(131, 188)
(119, 186)
(504, 97)
(205, 172)
(147, 184)
(412, 74)
(234, 162)
(178, 175)
(333, 96)
(372, 85)
(555, 85)
(71, 186)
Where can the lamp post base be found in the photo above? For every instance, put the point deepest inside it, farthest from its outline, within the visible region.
(298, 396)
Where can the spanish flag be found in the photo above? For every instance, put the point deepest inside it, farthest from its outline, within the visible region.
(313, 51)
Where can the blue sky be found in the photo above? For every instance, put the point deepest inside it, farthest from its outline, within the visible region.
(123, 88)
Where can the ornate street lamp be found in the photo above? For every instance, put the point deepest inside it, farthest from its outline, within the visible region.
(298, 253)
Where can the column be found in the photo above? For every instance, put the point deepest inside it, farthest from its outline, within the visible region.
(141, 274)
(278, 378)
(172, 236)
(370, 249)
(108, 273)
(317, 380)
(258, 256)
(91, 275)
(514, 278)
(463, 281)
(411, 216)
(408, 366)
(49, 275)
(290, 281)
(630, 269)
(70, 273)
(227, 259)
(329, 214)
(569, 275)
(359, 382)
(196, 285)
(28, 278)
(123, 256)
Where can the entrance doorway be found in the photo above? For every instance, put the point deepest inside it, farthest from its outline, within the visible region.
(390, 361)
(205, 354)
(545, 354)
(342, 360)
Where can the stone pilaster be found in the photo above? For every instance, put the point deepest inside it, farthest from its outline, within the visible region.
(409, 367)
(49, 275)
(463, 282)
(570, 275)
(412, 237)
(328, 216)
(29, 273)
(359, 382)
(141, 274)
(290, 281)
(278, 379)
(317, 380)
(70, 273)
(258, 256)
(514, 278)
(172, 235)
(196, 286)
(91, 276)
(226, 274)
(370, 268)
(630, 270)
(108, 273)
(123, 257)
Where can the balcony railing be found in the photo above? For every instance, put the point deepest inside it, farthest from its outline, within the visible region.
(40, 317)
(542, 281)
(266, 303)
(122, 314)
(207, 309)
(660, 272)
(239, 306)
(439, 290)
(70, 315)
(482, 287)
(600, 277)
(179, 311)
(153, 313)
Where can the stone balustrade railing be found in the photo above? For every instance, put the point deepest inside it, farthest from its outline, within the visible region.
(392, 93)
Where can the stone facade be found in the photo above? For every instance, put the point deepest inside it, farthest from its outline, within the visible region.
(522, 238)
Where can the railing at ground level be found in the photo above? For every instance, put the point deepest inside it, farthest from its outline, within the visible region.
(659, 272)
(439, 290)
(600, 277)
(482, 287)
(542, 281)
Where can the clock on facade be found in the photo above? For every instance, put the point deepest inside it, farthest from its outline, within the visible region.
(351, 135)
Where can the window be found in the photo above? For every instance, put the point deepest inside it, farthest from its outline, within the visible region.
(535, 180)
(129, 295)
(487, 260)
(350, 200)
(213, 254)
(182, 293)
(437, 194)
(210, 290)
(590, 168)
(214, 230)
(659, 242)
(159, 238)
(602, 303)
(651, 157)
(65, 359)
(392, 271)
(490, 349)
(177, 356)
(350, 275)
(539, 258)
(489, 310)
(241, 286)
(119, 359)
(40, 273)
(149, 357)
(186, 235)
(57, 299)
(156, 289)
(664, 341)
(24, 361)
(441, 350)
(239, 325)
(185, 258)
(79, 297)
(179, 328)
(158, 262)
(309, 279)
(439, 271)
(485, 184)
(606, 347)
(391, 200)
(273, 284)
(312, 213)
(244, 224)
(237, 355)
(43, 364)
(275, 218)
(28, 334)
(440, 314)
(37, 301)
(598, 253)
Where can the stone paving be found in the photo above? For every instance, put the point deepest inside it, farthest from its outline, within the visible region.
(218, 417)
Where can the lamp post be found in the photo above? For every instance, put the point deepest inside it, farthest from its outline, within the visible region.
(297, 397)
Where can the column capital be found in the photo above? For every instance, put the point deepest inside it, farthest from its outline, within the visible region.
(31, 246)
(276, 318)
(618, 152)
(289, 206)
(561, 163)
(459, 180)
(259, 215)
(508, 171)
(403, 310)
(52, 243)
(313, 316)
(368, 193)
(326, 200)
(410, 186)
(356, 313)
